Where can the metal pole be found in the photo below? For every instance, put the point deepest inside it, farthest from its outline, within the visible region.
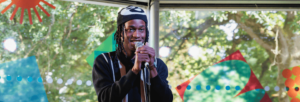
(154, 26)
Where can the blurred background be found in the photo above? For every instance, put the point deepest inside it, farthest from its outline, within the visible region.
(190, 41)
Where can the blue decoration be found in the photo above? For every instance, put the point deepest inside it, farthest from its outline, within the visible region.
(227, 87)
(13, 90)
(188, 87)
(40, 79)
(8, 78)
(218, 87)
(19, 78)
(198, 87)
(207, 87)
(237, 88)
(29, 79)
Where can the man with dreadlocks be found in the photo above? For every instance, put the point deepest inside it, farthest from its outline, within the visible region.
(117, 75)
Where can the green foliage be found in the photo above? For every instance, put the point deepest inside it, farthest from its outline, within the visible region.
(62, 42)
(215, 45)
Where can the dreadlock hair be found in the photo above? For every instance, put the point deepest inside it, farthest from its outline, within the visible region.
(119, 35)
(119, 46)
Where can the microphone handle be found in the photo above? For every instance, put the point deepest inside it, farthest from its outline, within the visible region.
(144, 65)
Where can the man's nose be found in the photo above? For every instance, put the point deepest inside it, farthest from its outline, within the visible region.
(136, 34)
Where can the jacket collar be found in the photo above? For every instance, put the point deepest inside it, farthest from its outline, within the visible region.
(126, 61)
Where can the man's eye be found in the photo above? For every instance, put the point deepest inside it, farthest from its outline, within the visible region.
(131, 30)
(141, 29)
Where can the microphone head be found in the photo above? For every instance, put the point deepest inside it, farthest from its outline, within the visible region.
(138, 44)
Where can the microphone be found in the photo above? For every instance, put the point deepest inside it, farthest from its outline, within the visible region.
(148, 83)
(137, 45)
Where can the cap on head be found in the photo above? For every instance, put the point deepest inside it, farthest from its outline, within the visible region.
(130, 13)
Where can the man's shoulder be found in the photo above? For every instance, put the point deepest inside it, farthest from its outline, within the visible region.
(160, 64)
(104, 56)
(159, 61)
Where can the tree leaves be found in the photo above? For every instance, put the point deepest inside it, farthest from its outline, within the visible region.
(64, 50)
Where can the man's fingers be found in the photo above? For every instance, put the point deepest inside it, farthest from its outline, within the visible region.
(143, 57)
(145, 47)
(144, 52)
(141, 48)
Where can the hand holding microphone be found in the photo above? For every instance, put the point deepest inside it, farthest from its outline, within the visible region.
(140, 58)
(144, 55)
(137, 46)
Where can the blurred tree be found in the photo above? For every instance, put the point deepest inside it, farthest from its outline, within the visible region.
(61, 43)
(267, 39)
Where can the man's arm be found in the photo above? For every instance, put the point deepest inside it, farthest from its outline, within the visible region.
(160, 91)
(107, 90)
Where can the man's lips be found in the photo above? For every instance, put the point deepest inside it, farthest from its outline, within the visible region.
(135, 40)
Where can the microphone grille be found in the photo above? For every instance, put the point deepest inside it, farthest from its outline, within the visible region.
(138, 44)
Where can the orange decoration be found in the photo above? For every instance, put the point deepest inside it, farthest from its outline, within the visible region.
(298, 92)
(297, 80)
(295, 100)
(292, 93)
(289, 83)
(287, 73)
(292, 84)
(2, 1)
(27, 4)
(296, 71)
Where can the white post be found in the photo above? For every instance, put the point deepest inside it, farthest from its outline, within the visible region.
(154, 26)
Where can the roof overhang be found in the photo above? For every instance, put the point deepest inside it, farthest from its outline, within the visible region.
(204, 4)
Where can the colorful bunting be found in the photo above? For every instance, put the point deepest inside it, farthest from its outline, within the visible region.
(292, 83)
(231, 79)
(108, 45)
(20, 80)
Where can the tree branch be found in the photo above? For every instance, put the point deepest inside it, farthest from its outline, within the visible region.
(70, 24)
(288, 22)
(180, 46)
(170, 33)
(252, 34)
(284, 46)
(264, 68)
(48, 33)
(233, 47)
(112, 28)
(208, 23)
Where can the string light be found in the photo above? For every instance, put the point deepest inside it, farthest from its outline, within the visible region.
(164, 51)
(10, 45)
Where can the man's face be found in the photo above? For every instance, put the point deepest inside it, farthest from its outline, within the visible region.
(135, 31)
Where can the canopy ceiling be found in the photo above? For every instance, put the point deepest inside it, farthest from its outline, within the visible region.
(203, 4)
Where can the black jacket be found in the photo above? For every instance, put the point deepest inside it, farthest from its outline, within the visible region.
(111, 87)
